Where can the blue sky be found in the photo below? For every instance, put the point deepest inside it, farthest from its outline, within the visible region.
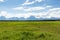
(28, 8)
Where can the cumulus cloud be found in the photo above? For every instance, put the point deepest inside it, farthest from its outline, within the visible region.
(6, 14)
(25, 15)
(28, 3)
(53, 12)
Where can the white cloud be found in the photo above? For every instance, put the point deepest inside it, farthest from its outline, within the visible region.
(34, 8)
(6, 14)
(31, 8)
(3, 13)
(39, 0)
(2, 0)
(18, 8)
(52, 12)
(28, 3)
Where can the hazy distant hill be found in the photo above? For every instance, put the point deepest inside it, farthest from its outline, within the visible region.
(30, 18)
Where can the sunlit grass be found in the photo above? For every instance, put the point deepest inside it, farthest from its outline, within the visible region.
(45, 30)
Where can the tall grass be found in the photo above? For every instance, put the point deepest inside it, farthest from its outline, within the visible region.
(37, 30)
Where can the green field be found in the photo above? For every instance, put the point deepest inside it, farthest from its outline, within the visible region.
(29, 30)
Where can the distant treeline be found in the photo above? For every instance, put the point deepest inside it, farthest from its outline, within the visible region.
(25, 20)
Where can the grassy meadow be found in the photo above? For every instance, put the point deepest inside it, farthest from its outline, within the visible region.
(30, 30)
